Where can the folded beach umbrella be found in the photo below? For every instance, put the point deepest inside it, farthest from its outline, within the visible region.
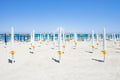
(60, 44)
(104, 43)
(93, 39)
(12, 52)
(5, 39)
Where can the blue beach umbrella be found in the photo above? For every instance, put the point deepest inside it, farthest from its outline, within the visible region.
(24, 37)
(21, 38)
(5, 39)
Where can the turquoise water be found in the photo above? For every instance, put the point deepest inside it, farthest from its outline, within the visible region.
(24, 37)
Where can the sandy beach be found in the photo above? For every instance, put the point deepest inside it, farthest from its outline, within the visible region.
(81, 63)
(59, 39)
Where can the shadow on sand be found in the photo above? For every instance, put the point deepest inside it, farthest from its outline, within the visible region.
(31, 52)
(56, 60)
(97, 60)
(89, 51)
(117, 52)
(52, 48)
(30, 48)
(11, 61)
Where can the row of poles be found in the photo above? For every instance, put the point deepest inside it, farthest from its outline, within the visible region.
(61, 42)
(104, 51)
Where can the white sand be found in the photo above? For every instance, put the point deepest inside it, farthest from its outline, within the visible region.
(76, 64)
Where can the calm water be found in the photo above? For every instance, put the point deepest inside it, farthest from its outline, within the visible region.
(24, 37)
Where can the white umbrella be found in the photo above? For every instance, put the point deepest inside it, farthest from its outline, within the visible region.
(93, 39)
(104, 43)
(33, 39)
(97, 36)
(12, 52)
(12, 38)
(60, 44)
(75, 38)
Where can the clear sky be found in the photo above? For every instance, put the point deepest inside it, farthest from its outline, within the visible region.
(46, 15)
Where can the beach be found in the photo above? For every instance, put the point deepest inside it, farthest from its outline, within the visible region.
(60, 40)
(80, 63)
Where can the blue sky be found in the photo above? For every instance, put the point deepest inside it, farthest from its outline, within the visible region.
(46, 15)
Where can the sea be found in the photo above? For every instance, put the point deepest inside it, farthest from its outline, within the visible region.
(27, 37)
